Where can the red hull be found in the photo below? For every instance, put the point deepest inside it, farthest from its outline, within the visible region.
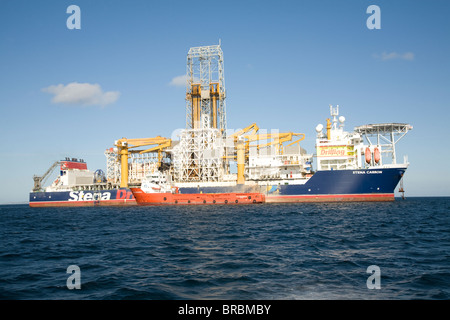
(332, 198)
(143, 198)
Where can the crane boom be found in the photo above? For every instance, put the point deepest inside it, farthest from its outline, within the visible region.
(237, 134)
(125, 144)
(242, 144)
(39, 180)
(276, 139)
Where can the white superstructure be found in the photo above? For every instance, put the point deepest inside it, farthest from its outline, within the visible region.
(340, 150)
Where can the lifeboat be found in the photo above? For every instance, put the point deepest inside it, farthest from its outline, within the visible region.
(368, 155)
(376, 155)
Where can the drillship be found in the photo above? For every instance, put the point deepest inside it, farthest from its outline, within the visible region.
(208, 159)
(350, 167)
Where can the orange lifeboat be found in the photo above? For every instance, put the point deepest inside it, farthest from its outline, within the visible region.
(376, 155)
(368, 155)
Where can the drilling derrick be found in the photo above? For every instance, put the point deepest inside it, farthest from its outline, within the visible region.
(199, 155)
(205, 89)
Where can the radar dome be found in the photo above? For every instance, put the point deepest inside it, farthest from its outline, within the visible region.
(341, 119)
(319, 128)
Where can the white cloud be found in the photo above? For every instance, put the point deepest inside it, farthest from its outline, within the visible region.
(409, 56)
(84, 94)
(179, 81)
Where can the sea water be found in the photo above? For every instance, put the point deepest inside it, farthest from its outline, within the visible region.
(263, 251)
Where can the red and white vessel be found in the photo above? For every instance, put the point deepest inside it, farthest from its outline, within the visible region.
(155, 190)
(76, 186)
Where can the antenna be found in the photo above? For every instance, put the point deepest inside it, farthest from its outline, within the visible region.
(334, 113)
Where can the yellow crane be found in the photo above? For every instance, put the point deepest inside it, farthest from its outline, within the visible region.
(254, 127)
(243, 141)
(244, 137)
(240, 150)
(277, 139)
(238, 134)
(124, 145)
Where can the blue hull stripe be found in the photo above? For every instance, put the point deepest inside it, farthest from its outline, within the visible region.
(334, 182)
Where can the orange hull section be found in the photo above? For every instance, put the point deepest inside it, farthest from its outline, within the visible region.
(143, 198)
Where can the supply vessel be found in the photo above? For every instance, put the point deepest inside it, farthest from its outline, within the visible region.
(76, 186)
(155, 190)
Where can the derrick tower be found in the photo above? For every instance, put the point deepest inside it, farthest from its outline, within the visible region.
(205, 89)
(199, 156)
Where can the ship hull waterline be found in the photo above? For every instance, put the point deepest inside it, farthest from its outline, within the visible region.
(323, 186)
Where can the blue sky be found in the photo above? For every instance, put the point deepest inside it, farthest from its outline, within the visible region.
(285, 62)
